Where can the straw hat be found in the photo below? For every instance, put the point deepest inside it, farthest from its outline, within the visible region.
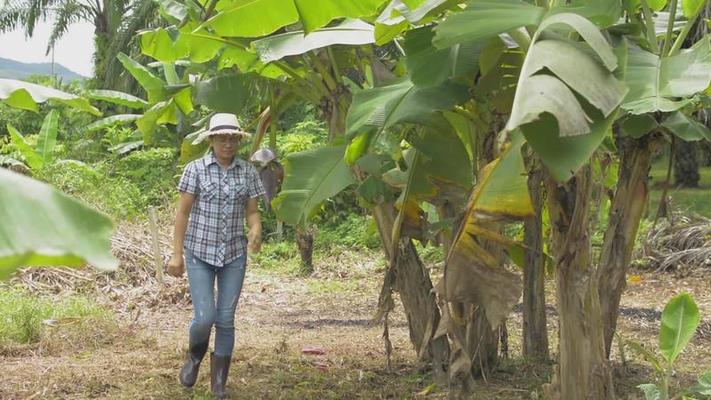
(223, 124)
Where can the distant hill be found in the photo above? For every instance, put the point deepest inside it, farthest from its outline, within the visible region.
(18, 70)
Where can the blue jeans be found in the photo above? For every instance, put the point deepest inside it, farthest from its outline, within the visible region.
(207, 311)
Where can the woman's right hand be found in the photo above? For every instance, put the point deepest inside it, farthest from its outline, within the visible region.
(176, 266)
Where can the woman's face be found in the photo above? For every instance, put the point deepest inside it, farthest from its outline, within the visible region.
(225, 146)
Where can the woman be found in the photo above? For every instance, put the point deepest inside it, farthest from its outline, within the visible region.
(217, 194)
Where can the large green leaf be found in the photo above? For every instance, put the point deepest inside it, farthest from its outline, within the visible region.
(445, 166)
(253, 18)
(27, 95)
(201, 46)
(349, 32)
(315, 14)
(686, 128)
(655, 5)
(311, 177)
(692, 8)
(430, 66)
(164, 112)
(398, 15)
(666, 84)
(173, 9)
(575, 70)
(31, 157)
(506, 191)
(483, 19)
(228, 92)
(154, 86)
(111, 121)
(170, 44)
(404, 11)
(116, 97)
(244, 60)
(48, 137)
(680, 319)
(159, 44)
(603, 12)
(563, 156)
(439, 171)
(42, 226)
(403, 101)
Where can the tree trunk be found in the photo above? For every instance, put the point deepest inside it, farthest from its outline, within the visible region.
(535, 330)
(412, 281)
(686, 165)
(583, 371)
(305, 243)
(626, 212)
(483, 341)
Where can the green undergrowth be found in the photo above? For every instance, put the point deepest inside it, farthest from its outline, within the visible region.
(687, 200)
(25, 317)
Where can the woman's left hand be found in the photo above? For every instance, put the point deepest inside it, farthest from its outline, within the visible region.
(254, 240)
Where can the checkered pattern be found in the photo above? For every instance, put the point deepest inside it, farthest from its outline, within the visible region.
(215, 232)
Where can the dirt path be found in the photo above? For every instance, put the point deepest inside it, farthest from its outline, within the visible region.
(278, 316)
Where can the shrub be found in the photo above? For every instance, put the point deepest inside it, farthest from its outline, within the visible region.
(118, 197)
(153, 171)
(353, 231)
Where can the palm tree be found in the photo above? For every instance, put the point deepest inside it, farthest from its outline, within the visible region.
(114, 21)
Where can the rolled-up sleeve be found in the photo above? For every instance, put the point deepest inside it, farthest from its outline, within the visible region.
(254, 183)
(189, 181)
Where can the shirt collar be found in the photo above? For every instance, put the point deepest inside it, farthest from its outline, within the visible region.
(211, 159)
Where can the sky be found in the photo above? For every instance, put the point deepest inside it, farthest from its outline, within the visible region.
(74, 50)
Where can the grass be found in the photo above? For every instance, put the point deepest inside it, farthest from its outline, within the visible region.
(330, 287)
(687, 200)
(281, 258)
(25, 316)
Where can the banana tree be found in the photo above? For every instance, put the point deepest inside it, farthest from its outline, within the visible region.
(566, 157)
(42, 226)
(564, 114)
(43, 153)
(665, 83)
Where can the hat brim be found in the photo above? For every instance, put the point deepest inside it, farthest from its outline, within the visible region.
(204, 135)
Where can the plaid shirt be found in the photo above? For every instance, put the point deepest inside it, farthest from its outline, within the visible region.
(215, 231)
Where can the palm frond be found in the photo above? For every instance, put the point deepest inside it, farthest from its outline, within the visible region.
(68, 13)
(37, 10)
(143, 14)
(684, 243)
(13, 14)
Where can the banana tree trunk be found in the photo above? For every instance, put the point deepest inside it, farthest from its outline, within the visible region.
(412, 282)
(305, 242)
(535, 330)
(583, 371)
(483, 341)
(626, 212)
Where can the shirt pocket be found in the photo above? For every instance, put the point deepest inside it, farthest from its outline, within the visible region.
(238, 189)
(209, 190)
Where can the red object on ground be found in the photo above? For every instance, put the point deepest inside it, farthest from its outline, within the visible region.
(313, 350)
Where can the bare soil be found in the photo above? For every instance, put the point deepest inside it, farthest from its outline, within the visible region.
(280, 316)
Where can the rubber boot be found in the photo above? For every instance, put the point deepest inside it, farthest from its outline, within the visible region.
(219, 367)
(189, 372)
